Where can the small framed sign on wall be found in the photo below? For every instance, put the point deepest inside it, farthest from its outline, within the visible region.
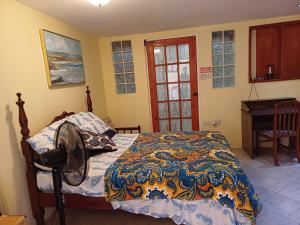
(63, 59)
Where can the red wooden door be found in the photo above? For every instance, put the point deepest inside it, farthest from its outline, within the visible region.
(172, 66)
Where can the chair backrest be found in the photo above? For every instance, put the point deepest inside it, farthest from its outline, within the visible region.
(286, 118)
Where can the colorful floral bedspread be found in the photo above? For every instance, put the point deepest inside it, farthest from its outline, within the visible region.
(185, 166)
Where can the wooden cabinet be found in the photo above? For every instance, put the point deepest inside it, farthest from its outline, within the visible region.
(291, 51)
(278, 45)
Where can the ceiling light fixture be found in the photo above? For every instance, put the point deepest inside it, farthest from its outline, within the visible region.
(298, 3)
(99, 2)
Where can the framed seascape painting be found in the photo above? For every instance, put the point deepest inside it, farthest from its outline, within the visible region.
(63, 59)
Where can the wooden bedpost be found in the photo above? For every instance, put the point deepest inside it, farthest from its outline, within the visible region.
(37, 211)
(88, 99)
(23, 118)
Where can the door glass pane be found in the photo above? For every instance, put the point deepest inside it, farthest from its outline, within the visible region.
(163, 110)
(172, 73)
(184, 70)
(160, 74)
(173, 92)
(175, 125)
(174, 109)
(159, 55)
(187, 124)
(186, 108)
(164, 125)
(171, 54)
(162, 92)
(184, 55)
(185, 92)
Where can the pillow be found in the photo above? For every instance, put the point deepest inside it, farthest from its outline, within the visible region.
(110, 133)
(109, 122)
(97, 143)
(44, 140)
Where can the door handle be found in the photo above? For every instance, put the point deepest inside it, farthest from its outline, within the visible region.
(195, 93)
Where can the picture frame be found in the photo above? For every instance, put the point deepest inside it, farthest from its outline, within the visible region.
(63, 59)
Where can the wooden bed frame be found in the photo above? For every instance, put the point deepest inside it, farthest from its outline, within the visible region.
(41, 200)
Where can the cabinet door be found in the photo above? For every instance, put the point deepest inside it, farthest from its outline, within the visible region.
(268, 50)
(291, 51)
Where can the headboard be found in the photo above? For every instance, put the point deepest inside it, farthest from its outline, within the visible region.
(28, 152)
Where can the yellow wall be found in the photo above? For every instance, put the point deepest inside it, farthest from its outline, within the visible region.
(22, 70)
(214, 104)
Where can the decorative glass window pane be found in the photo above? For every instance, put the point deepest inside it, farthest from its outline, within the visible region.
(218, 71)
(229, 70)
(159, 55)
(175, 125)
(217, 82)
(185, 91)
(160, 72)
(117, 57)
(128, 67)
(130, 88)
(187, 124)
(171, 54)
(184, 70)
(217, 37)
(228, 81)
(162, 92)
(164, 125)
(174, 109)
(229, 48)
(217, 48)
(127, 56)
(116, 46)
(163, 110)
(129, 78)
(217, 60)
(184, 54)
(123, 67)
(119, 68)
(223, 59)
(228, 59)
(186, 108)
(172, 73)
(228, 35)
(120, 78)
(121, 88)
(173, 91)
(126, 45)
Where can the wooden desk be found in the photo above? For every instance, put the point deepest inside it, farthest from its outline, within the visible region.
(257, 115)
(12, 220)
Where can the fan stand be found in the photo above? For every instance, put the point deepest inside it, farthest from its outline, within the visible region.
(57, 183)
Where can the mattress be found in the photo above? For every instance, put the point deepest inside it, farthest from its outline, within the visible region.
(93, 185)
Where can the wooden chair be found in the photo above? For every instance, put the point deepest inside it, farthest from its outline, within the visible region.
(286, 124)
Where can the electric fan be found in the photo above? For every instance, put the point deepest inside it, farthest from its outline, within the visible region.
(68, 161)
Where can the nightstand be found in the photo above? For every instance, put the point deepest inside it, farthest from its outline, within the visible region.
(12, 220)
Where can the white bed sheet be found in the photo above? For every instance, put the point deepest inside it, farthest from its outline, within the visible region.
(93, 185)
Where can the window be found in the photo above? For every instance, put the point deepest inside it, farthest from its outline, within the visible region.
(223, 58)
(123, 67)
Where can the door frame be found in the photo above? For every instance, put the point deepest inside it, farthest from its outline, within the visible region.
(191, 40)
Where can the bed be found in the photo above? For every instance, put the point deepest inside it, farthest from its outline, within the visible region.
(190, 177)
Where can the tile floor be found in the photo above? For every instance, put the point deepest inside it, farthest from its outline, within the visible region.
(278, 188)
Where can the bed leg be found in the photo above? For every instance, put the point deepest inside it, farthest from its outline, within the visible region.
(39, 216)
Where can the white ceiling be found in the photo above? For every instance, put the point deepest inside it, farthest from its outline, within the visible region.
(140, 16)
